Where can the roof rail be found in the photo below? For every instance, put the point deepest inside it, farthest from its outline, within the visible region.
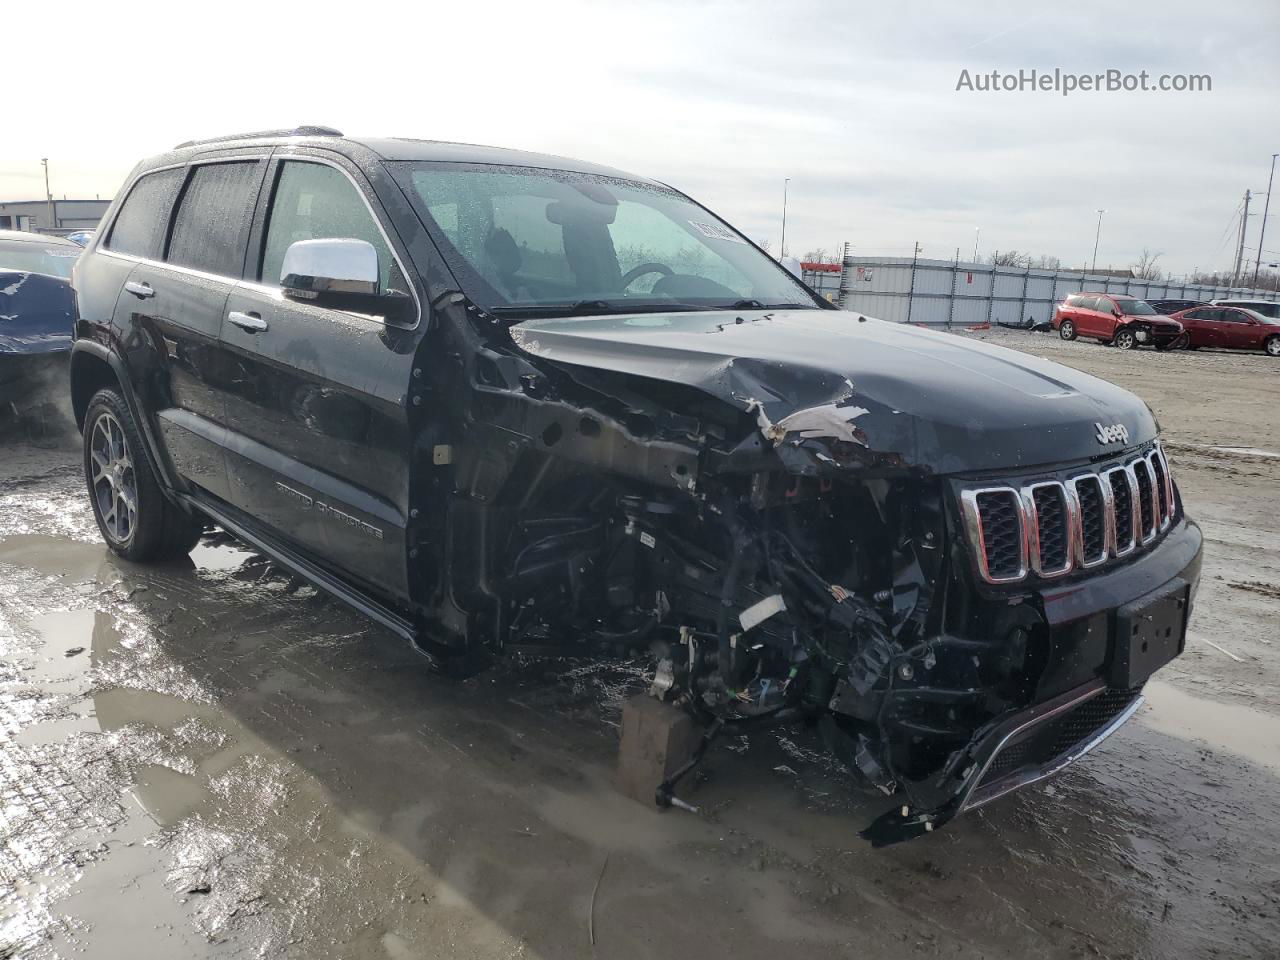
(303, 131)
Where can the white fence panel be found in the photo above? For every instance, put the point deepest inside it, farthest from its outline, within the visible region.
(962, 294)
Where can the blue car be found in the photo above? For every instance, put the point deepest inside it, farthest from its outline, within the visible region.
(37, 311)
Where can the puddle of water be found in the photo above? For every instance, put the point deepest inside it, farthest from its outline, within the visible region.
(139, 917)
(1247, 733)
(45, 732)
(56, 556)
(68, 638)
(167, 795)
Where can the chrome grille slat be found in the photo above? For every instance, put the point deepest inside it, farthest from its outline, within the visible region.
(1124, 498)
(1097, 520)
(1147, 502)
(1163, 488)
(1050, 522)
(1051, 527)
(998, 527)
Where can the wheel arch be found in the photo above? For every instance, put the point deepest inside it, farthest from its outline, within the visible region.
(93, 368)
(90, 372)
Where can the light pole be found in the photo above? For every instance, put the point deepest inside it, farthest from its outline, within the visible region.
(1096, 237)
(48, 196)
(1262, 232)
(977, 232)
(783, 252)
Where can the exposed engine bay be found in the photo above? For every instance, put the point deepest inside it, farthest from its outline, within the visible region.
(776, 565)
(775, 597)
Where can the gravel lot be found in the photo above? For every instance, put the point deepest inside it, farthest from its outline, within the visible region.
(209, 760)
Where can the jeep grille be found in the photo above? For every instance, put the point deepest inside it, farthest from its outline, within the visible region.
(1081, 520)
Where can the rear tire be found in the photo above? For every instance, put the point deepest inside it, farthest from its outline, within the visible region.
(1124, 340)
(137, 521)
(1067, 330)
(1272, 345)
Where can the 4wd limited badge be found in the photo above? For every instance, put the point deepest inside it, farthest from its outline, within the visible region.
(1112, 433)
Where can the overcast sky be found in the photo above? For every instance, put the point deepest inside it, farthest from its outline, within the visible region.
(857, 104)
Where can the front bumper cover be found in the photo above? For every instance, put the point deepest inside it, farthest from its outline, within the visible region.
(1031, 744)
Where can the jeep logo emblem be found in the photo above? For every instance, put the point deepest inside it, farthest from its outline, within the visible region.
(1112, 433)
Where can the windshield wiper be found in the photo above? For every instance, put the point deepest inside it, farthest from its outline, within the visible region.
(581, 308)
(757, 305)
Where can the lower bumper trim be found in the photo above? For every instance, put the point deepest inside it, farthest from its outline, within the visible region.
(1043, 745)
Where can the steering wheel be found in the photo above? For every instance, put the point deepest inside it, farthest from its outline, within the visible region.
(635, 273)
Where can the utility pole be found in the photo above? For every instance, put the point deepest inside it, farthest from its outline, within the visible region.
(977, 232)
(48, 196)
(1262, 231)
(1096, 237)
(1244, 222)
(783, 252)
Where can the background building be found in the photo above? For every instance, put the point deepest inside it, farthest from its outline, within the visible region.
(52, 216)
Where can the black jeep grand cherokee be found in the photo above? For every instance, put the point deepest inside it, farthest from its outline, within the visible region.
(503, 401)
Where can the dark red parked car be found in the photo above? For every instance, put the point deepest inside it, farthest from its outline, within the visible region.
(1124, 322)
(1233, 327)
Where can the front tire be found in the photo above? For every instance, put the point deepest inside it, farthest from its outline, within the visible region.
(134, 517)
(1125, 340)
(1067, 330)
(1272, 346)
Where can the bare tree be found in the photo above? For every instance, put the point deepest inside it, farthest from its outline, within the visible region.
(819, 255)
(1010, 258)
(765, 245)
(1044, 262)
(1145, 268)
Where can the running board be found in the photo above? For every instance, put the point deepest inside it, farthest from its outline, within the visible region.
(309, 571)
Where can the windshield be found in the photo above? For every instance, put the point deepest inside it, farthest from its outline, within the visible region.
(35, 257)
(530, 241)
(1137, 308)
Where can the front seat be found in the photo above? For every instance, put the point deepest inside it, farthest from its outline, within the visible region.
(501, 249)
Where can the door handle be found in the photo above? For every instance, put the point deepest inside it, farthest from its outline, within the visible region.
(140, 290)
(247, 321)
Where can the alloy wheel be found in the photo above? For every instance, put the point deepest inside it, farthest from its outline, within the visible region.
(1273, 347)
(112, 478)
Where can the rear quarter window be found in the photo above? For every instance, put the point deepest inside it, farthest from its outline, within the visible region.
(139, 227)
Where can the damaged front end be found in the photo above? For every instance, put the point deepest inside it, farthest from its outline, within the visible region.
(791, 541)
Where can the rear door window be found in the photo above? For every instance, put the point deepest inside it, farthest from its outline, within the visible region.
(140, 226)
(212, 223)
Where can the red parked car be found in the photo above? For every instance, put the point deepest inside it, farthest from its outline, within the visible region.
(1125, 322)
(1233, 327)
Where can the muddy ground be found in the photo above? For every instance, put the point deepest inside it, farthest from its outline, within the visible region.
(207, 760)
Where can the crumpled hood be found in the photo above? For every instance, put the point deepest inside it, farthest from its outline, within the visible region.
(927, 399)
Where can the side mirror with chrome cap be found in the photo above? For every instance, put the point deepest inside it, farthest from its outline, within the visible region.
(340, 273)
